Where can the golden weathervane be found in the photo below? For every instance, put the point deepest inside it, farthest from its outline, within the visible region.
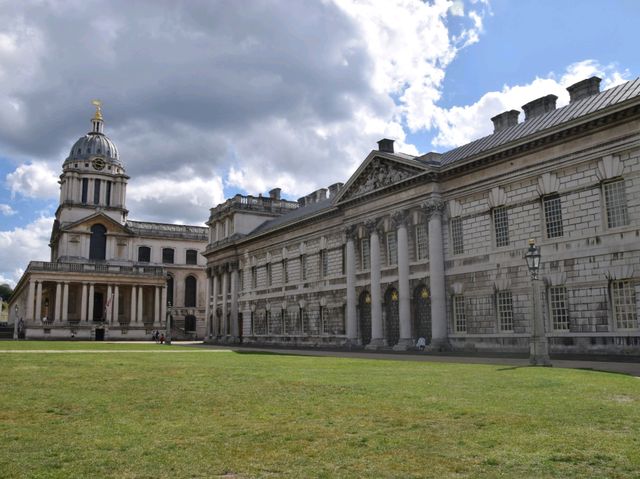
(98, 105)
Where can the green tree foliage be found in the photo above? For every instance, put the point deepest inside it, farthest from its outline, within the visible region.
(5, 292)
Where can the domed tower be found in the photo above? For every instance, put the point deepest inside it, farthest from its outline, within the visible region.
(93, 177)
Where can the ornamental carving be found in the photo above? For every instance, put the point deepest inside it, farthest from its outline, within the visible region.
(379, 175)
(351, 232)
(373, 225)
(399, 218)
(432, 207)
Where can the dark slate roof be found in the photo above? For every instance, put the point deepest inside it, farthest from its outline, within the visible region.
(294, 215)
(569, 112)
(166, 230)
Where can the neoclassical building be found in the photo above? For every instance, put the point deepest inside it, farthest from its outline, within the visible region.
(109, 277)
(432, 246)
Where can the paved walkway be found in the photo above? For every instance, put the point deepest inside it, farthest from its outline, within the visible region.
(629, 366)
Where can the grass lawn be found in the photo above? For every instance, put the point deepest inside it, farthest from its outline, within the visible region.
(206, 414)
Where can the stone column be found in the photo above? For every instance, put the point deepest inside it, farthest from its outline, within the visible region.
(134, 304)
(225, 323)
(90, 191)
(30, 316)
(156, 309)
(214, 305)
(406, 341)
(350, 260)
(163, 305)
(65, 302)
(139, 316)
(207, 306)
(377, 334)
(38, 308)
(116, 305)
(434, 209)
(91, 294)
(83, 303)
(235, 333)
(109, 304)
(57, 306)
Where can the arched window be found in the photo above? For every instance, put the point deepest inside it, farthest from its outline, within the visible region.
(190, 292)
(98, 243)
(192, 256)
(170, 290)
(144, 254)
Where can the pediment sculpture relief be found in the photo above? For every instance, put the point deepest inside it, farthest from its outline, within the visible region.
(379, 175)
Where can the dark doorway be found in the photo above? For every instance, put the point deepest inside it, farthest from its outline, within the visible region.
(98, 307)
(100, 334)
(170, 290)
(189, 323)
(98, 242)
(240, 326)
(190, 291)
(421, 312)
(392, 323)
(364, 309)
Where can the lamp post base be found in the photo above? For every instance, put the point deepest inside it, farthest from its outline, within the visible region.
(539, 353)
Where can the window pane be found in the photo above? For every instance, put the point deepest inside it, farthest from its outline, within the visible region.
(192, 256)
(456, 235)
(144, 254)
(624, 304)
(558, 304)
(616, 204)
(460, 320)
(392, 248)
(365, 252)
(501, 225)
(167, 255)
(422, 242)
(553, 216)
(505, 310)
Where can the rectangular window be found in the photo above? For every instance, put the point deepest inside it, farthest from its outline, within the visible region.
(144, 254)
(459, 318)
(365, 254)
(96, 192)
(324, 263)
(422, 242)
(303, 267)
(553, 216)
(269, 276)
(623, 296)
(108, 194)
(191, 256)
(167, 255)
(505, 310)
(558, 306)
(254, 277)
(285, 271)
(616, 204)
(240, 280)
(456, 235)
(85, 190)
(501, 226)
(343, 253)
(392, 248)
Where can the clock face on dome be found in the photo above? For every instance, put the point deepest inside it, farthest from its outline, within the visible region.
(98, 164)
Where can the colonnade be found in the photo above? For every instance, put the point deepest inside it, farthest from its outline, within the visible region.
(111, 303)
(222, 295)
(71, 190)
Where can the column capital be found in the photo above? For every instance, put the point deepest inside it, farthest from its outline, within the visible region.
(351, 232)
(399, 218)
(373, 225)
(433, 206)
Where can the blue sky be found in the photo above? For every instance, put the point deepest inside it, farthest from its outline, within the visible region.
(206, 99)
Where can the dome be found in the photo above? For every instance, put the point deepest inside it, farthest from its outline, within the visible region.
(93, 145)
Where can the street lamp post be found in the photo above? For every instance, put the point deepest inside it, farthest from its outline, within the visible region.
(167, 333)
(539, 346)
(16, 309)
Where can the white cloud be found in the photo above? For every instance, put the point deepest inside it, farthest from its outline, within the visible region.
(7, 210)
(33, 180)
(21, 245)
(461, 124)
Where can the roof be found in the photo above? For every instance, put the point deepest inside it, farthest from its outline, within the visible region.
(547, 120)
(167, 230)
(294, 215)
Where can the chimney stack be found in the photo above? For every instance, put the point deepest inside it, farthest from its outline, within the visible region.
(274, 194)
(539, 106)
(505, 120)
(334, 189)
(385, 145)
(584, 88)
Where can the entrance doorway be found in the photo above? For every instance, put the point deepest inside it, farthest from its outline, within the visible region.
(100, 334)
(364, 310)
(392, 323)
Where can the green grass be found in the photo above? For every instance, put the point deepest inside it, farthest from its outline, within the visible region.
(267, 415)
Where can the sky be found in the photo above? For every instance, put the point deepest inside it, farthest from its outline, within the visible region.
(206, 99)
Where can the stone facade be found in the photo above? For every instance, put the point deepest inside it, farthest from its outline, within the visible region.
(433, 245)
(109, 277)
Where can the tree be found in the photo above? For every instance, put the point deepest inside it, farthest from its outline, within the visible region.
(5, 292)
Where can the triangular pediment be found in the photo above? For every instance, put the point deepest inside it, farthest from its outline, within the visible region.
(85, 224)
(377, 173)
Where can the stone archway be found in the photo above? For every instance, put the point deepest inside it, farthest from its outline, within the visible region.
(364, 317)
(392, 316)
(421, 309)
